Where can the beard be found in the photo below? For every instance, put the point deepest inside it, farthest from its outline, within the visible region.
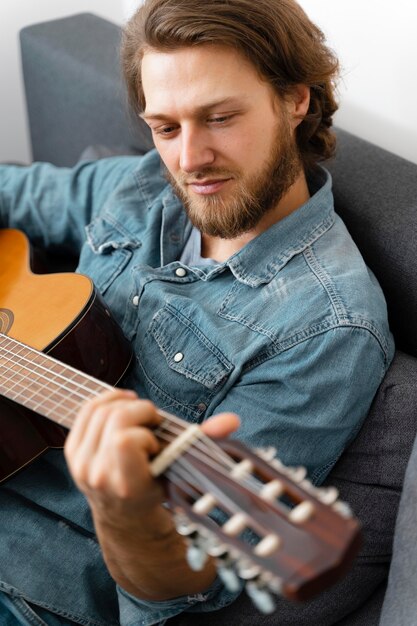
(253, 196)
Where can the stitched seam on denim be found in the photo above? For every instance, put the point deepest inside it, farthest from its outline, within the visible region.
(280, 344)
(297, 339)
(99, 248)
(142, 180)
(326, 282)
(23, 610)
(160, 338)
(125, 256)
(186, 409)
(321, 471)
(85, 621)
(274, 267)
(289, 342)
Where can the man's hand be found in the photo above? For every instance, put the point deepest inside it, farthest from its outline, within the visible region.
(108, 452)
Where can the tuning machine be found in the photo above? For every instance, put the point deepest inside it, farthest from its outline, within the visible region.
(196, 542)
(225, 563)
(269, 454)
(260, 586)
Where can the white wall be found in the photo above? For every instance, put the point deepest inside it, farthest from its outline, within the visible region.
(14, 15)
(129, 6)
(376, 41)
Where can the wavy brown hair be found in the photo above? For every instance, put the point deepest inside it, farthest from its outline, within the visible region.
(276, 36)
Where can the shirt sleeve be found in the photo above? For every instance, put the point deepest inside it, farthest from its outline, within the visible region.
(310, 400)
(52, 205)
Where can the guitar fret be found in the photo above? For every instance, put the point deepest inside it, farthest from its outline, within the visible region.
(36, 400)
(43, 384)
(31, 382)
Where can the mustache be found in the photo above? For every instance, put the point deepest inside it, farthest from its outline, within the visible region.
(207, 172)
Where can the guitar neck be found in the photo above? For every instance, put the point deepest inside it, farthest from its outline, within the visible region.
(43, 384)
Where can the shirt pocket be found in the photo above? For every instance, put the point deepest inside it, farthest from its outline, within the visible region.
(183, 369)
(108, 251)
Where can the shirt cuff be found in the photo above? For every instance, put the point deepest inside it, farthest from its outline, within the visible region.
(137, 612)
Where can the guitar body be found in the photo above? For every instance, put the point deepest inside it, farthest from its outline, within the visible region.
(63, 316)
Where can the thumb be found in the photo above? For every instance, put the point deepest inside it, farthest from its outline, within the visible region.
(221, 425)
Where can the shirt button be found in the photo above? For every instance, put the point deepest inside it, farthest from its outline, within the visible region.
(135, 300)
(180, 271)
(178, 357)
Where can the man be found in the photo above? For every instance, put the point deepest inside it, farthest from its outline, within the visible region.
(237, 285)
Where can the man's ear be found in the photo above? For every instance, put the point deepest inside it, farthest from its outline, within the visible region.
(298, 103)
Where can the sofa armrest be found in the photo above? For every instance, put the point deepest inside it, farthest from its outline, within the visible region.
(74, 91)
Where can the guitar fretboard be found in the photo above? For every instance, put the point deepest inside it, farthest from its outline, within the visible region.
(42, 383)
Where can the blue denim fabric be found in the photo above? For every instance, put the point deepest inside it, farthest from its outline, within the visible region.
(291, 333)
(15, 611)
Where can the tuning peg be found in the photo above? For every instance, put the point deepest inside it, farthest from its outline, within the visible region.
(297, 474)
(227, 573)
(275, 462)
(327, 495)
(307, 485)
(260, 596)
(229, 578)
(274, 583)
(343, 508)
(184, 526)
(196, 548)
(225, 564)
(196, 556)
(256, 587)
(247, 570)
(267, 454)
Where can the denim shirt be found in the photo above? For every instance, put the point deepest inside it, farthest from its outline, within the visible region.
(290, 333)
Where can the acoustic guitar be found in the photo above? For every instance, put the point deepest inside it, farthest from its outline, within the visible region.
(264, 523)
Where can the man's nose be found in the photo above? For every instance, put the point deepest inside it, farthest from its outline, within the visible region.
(196, 151)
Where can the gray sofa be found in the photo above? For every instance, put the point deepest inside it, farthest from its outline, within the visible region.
(76, 102)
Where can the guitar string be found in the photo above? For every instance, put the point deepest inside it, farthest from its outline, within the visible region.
(184, 472)
(167, 425)
(176, 429)
(214, 456)
(57, 392)
(249, 479)
(208, 443)
(223, 461)
(57, 375)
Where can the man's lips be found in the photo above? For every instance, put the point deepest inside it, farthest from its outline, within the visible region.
(205, 187)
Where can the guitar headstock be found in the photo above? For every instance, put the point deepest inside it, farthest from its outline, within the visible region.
(264, 523)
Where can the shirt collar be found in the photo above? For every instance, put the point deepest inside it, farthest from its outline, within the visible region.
(263, 257)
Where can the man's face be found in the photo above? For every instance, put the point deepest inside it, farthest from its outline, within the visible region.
(227, 142)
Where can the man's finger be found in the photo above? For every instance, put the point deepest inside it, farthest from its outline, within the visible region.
(221, 425)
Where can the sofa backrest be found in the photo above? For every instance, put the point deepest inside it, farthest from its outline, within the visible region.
(376, 195)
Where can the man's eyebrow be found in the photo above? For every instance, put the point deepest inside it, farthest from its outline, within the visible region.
(204, 108)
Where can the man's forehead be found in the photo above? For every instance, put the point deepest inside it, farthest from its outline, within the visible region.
(200, 78)
(230, 102)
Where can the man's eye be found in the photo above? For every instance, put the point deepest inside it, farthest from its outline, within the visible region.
(220, 119)
(165, 130)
